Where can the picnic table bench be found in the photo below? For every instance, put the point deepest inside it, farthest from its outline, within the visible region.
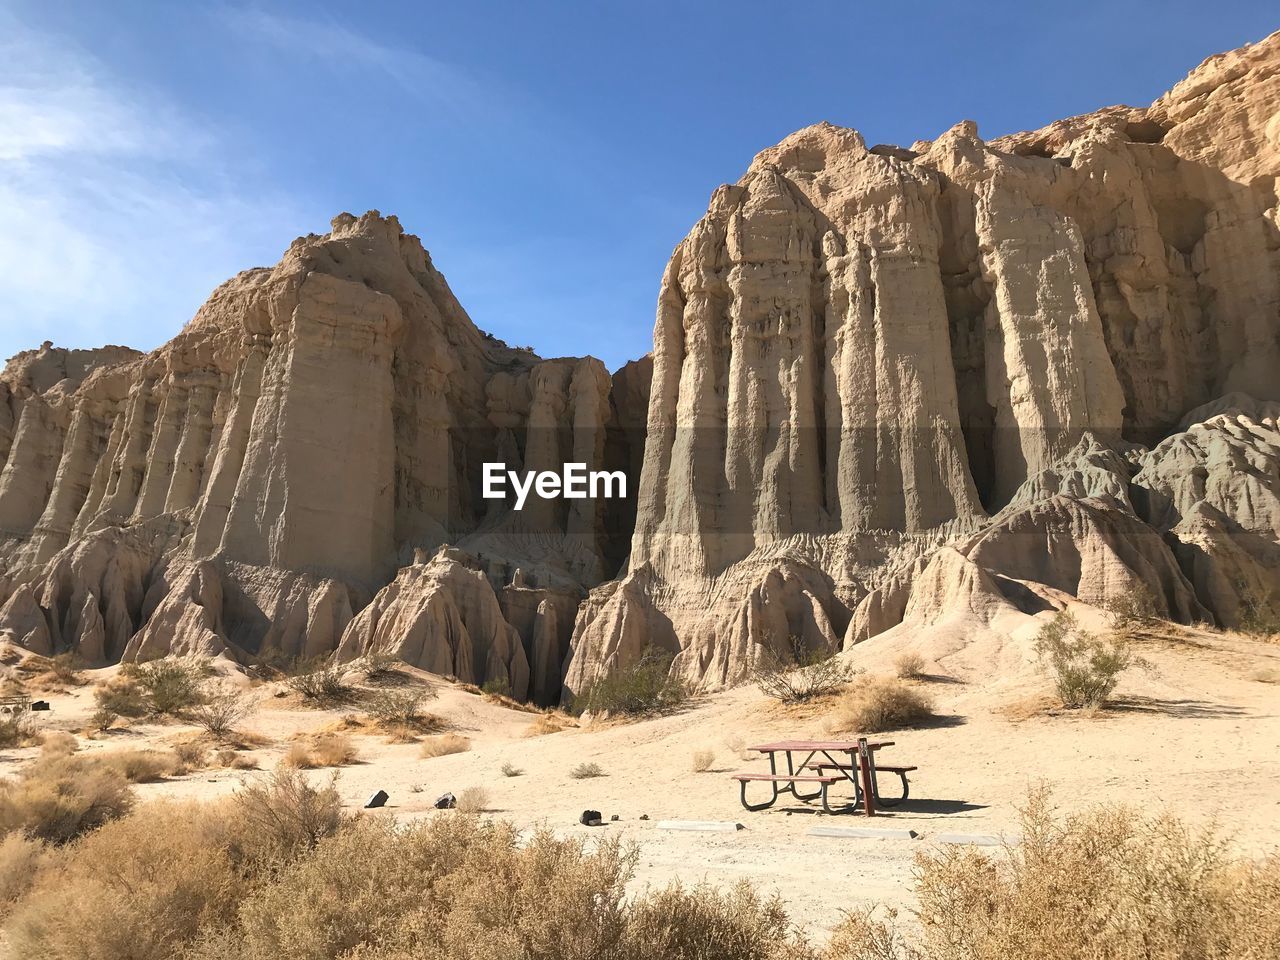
(824, 763)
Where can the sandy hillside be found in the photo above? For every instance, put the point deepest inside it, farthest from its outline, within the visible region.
(1197, 733)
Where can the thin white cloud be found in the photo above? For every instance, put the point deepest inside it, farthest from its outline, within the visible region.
(338, 48)
(121, 213)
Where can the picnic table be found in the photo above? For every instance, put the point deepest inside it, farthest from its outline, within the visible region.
(824, 763)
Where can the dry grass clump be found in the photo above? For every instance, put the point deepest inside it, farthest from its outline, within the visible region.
(60, 796)
(443, 745)
(802, 675)
(234, 760)
(17, 730)
(1107, 884)
(909, 665)
(876, 704)
(702, 760)
(321, 750)
(139, 766)
(400, 709)
(190, 755)
(380, 667)
(473, 800)
(509, 769)
(21, 860)
(119, 697)
(586, 771)
(546, 723)
(322, 685)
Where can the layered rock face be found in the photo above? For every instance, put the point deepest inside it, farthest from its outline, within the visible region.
(948, 383)
(251, 485)
(862, 354)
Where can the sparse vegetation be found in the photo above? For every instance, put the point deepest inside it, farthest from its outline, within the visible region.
(283, 815)
(473, 800)
(221, 711)
(321, 750)
(101, 719)
(1258, 614)
(379, 666)
(877, 704)
(120, 697)
(16, 730)
(1133, 609)
(509, 769)
(322, 685)
(497, 687)
(170, 686)
(702, 760)
(65, 667)
(545, 723)
(60, 796)
(737, 746)
(139, 766)
(586, 771)
(443, 745)
(643, 688)
(396, 708)
(190, 755)
(1085, 668)
(807, 675)
(909, 665)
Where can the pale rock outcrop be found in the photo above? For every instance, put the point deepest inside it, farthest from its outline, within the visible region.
(23, 622)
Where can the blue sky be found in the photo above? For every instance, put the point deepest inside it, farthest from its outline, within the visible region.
(549, 155)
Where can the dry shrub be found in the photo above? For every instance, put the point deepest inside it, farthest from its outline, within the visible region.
(1106, 884)
(171, 686)
(704, 922)
(21, 861)
(803, 675)
(509, 769)
(473, 800)
(586, 771)
(60, 796)
(222, 711)
(190, 755)
(444, 745)
(1085, 668)
(101, 720)
(321, 750)
(702, 760)
(909, 665)
(545, 724)
(876, 704)
(737, 746)
(643, 688)
(17, 730)
(379, 666)
(120, 697)
(399, 709)
(140, 766)
(322, 685)
(235, 760)
(282, 814)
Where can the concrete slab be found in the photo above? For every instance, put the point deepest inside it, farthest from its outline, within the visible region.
(864, 833)
(701, 826)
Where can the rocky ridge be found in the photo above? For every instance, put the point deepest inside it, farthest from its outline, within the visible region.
(889, 387)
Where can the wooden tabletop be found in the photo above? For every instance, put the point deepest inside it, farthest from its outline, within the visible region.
(840, 746)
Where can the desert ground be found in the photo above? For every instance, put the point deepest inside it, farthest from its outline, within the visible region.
(1196, 732)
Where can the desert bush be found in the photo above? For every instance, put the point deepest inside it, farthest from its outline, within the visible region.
(545, 723)
(735, 925)
(190, 755)
(171, 686)
(60, 796)
(737, 746)
(66, 667)
(876, 704)
(1134, 608)
(321, 750)
(58, 743)
(1107, 884)
(322, 684)
(17, 730)
(282, 814)
(121, 697)
(100, 720)
(702, 760)
(443, 745)
(1085, 668)
(803, 675)
(21, 860)
(235, 760)
(473, 800)
(221, 711)
(645, 687)
(1258, 613)
(378, 666)
(497, 687)
(509, 769)
(909, 665)
(396, 708)
(586, 771)
(139, 766)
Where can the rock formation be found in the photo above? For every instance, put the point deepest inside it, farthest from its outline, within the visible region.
(892, 381)
(888, 385)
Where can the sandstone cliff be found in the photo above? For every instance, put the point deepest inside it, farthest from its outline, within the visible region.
(252, 484)
(864, 353)
(950, 384)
